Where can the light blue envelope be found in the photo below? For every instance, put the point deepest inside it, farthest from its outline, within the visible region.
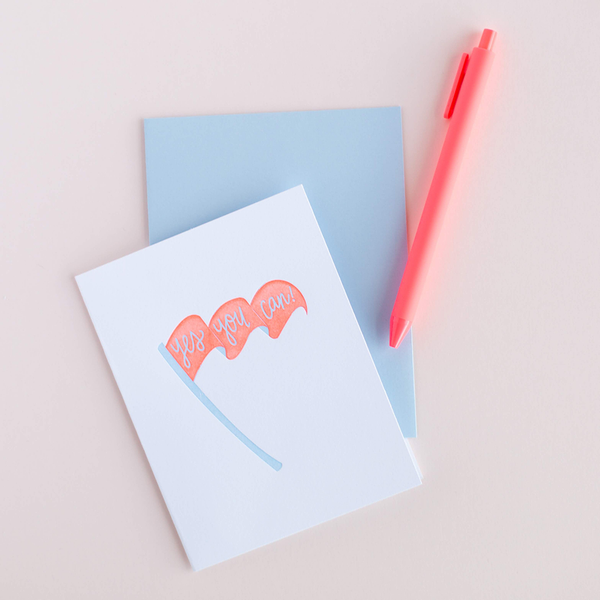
(351, 165)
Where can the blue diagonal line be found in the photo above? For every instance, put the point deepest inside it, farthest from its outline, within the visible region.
(275, 464)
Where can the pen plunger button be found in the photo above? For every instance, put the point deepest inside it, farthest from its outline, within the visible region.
(488, 37)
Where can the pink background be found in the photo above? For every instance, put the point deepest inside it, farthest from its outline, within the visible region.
(506, 343)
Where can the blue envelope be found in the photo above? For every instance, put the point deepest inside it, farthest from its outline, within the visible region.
(351, 165)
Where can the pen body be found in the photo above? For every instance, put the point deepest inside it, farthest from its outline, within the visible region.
(461, 124)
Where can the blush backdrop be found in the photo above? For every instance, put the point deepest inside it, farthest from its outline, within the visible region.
(507, 338)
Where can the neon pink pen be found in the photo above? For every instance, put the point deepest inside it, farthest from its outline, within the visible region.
(461, 109)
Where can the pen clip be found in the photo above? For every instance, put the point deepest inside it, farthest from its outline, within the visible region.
(460, 75)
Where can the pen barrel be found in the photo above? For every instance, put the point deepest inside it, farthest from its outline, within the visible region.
(434, 211)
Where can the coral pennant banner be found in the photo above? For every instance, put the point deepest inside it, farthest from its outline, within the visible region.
(229, 328)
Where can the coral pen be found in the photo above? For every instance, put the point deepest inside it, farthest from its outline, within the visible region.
(461, 109)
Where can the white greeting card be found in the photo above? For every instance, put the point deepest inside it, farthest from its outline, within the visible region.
(247, 379)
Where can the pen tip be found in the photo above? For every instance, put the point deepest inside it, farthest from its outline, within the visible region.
(398, 330)
(488, 37)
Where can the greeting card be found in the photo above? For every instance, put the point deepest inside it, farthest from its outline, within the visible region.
(247, 379)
